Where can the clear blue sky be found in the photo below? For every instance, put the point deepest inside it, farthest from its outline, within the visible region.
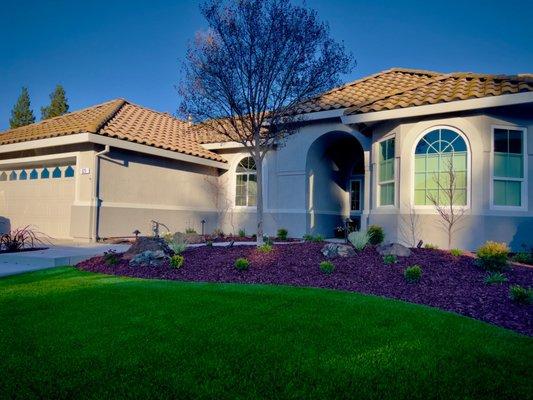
(99, 50)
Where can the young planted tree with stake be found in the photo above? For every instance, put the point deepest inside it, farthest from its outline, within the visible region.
(245, 76)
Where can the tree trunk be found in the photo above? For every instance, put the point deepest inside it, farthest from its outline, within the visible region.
(259, 213)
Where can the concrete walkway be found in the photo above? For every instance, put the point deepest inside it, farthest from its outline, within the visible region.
(54, 256)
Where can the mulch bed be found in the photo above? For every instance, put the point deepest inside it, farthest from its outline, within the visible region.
(448, 282)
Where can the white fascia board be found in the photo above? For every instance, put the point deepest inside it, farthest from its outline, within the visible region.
(222, 145)
(20, 162)
(142, 148)
(313, 116)
(452, 106)
(113, 142)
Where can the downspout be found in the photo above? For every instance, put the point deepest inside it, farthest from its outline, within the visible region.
(96, 190)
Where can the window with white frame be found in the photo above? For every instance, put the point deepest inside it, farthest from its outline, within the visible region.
(386, 172)
(246, 183)
(438, 155)
(508, 167)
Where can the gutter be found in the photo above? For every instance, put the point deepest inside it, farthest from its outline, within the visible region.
(96, 196)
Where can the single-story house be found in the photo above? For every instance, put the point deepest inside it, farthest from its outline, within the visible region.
(372, 151)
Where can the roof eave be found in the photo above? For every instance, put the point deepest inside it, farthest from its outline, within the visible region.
(87, 137)
(440, 108)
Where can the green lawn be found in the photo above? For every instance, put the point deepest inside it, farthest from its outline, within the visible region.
(71, 334)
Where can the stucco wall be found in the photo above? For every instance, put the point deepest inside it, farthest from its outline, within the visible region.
(135, 189)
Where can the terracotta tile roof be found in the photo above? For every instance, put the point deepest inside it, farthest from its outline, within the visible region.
(119, 119)
(365, 89)
(446, 88)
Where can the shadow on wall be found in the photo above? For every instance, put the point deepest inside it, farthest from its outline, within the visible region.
(523, 236)
(5, 225)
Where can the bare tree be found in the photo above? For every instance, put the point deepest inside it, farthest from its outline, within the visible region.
(246, 75)
(410, 227)
(446, 199)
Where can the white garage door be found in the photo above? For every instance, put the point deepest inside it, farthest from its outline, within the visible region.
(40, 197)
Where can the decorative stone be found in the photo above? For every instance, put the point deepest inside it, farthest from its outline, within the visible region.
(334, 250)
(144, 243)
(189, 238)
(395, 249)
(148, 258)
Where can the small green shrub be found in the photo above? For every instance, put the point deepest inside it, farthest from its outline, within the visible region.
(242, 264)
(375, 234)
(327, 267)
(265, 248)
(456, 252)
(358, 239)
(390, 259)
(190, 231)
(492, 256)
(209, 243)
(431, 246)
(315, 239)
(282, 233)
(178, 247)
(268, 240)
(520, 294)
(413, 273)
(168, 237)
(523, 257)
(242, 233)
(111, 258)
(177, 261)
(495, 277)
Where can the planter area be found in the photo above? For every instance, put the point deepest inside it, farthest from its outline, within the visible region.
(452, 283)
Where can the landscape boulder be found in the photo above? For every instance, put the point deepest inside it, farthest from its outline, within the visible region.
(143, 244)
(189, 238)
(334, 250)
(395, 249)
(148, 259)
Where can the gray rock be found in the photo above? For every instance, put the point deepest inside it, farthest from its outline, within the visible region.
(189, 238)
(395, 249)
(148, 258)
(334, 250)
(143, 244)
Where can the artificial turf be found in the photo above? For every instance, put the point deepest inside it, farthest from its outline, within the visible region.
(65, 333)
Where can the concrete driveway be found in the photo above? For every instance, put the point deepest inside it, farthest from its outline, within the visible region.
(53, 256)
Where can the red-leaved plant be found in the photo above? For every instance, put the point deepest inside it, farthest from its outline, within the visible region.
(19, 238)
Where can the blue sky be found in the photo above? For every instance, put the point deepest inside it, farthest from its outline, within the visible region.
(100, 50)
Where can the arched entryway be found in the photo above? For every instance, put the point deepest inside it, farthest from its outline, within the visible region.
(335, 169)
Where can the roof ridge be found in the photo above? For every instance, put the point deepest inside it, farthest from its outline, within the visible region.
(100, 124)
(350, 110)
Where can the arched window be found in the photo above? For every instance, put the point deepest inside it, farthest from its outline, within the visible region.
(3, 177)
(23, 175)
(69, 172)
(45, 174)
(13, 176)
(441, 168)
(246, 188)
(56, 173)
(34, 174)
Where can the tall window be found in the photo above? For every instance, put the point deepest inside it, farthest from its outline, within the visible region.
(355, 195)
(508, 172)
(438, 153)
(386, 173)
(246, 189)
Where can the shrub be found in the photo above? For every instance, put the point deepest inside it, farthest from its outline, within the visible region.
(431, 246)
(209, 243)
(358, 239)
(456, 252)
(375, 234)
(217, 232)
(265, 248)
(110, 258)
(268, 240)
(327, 267)
(18, 239)
(190, 231)
(311, 238)
(413, 273)
(520, 294)
(390, 259)
(177, 261)
(177, 247)
(168, 237)
(495, 277)
(523, 257)
(242, 264)
(282, 233)
(242, 233)
(492, 256)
